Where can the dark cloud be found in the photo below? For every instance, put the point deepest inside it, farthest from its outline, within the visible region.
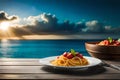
(47, 24)
(115, 30)
(4, 17)
(94, 26)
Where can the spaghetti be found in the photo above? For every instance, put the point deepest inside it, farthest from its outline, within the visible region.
(63, 60)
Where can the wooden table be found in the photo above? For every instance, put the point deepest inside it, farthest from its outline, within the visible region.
(32, 69)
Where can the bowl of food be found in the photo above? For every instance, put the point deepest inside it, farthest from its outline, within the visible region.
(105, 49)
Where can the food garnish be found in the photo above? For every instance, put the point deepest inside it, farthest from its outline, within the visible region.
(72, 54)
(110, 42)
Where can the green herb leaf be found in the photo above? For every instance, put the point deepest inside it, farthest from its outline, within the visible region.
(110, 39)
(73, 52)
(118, 39)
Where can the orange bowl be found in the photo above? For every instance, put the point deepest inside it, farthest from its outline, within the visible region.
(103, 52)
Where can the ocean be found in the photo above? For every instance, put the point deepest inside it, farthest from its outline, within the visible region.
(40, 48)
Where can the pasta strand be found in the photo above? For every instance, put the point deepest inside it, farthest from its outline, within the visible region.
(75, 61)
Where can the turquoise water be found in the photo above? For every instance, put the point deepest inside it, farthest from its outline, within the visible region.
(39, 48)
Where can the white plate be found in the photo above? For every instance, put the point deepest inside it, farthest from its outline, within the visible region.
(92, 62)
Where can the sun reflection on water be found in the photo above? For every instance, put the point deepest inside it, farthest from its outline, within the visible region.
(4, 47)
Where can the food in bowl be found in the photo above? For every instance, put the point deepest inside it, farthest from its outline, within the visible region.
(71, 58)
(109, 42)
(104, 50)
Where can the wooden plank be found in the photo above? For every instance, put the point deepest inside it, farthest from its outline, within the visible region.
(19, 63)
(21, 69)
(41, 69)
(37, 60)
(11, 62)
(18, 60)
(58, 76)
(33, 62)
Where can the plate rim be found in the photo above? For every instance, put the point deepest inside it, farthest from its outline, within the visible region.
(71, 67)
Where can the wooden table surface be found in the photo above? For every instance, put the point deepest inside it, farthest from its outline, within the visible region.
(32, 69)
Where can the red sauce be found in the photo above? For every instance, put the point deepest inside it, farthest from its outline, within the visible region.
(109, 43)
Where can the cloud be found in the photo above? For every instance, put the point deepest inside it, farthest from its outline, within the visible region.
(4, 17)
(94, 26)
(48, 24)
(113, 30)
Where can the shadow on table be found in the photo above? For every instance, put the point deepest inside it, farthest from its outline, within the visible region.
(86, 71)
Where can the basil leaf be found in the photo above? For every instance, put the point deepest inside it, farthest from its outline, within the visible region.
(110, 39)
(118, 39)
(73, 52)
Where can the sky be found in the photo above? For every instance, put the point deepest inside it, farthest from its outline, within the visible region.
(59, 17)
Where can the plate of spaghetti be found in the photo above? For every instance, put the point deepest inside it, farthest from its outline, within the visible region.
(71, 60)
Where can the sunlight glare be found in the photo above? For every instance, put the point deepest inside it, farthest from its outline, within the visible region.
(4, 47)
(4, 25)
